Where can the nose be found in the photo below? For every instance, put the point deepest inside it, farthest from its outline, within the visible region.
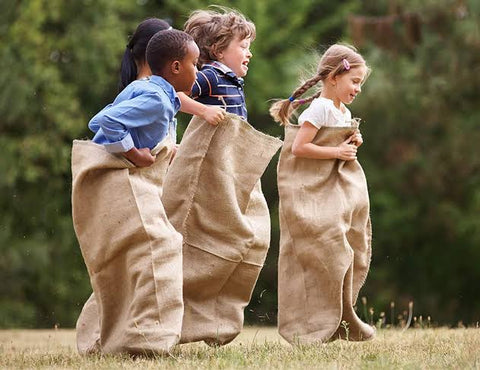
(249, 53)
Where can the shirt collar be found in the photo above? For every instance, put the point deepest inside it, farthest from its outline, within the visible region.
(225, 70)
(168, 88)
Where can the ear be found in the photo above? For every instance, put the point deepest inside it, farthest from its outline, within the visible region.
(175, 67)
(332, 80)
(217, 54)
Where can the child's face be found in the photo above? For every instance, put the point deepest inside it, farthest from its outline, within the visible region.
(236, 56)
(349, 84)
(188, 69)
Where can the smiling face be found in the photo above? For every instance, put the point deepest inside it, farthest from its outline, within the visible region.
(348, 85)
(236, 56)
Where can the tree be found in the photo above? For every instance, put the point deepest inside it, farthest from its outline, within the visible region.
(60, 63)
(59, 66)
(420, 108)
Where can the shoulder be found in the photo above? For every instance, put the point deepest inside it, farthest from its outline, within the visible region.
(136, 88)
(316, 113)
(208, 73)
(346, 113)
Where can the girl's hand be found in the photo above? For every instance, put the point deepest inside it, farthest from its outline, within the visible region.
(357, 139)
(347, 151)
(213, 115)
(140, 157)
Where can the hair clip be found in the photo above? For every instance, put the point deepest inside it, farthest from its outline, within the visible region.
(301, 101)
(346, 65)
(291, 99)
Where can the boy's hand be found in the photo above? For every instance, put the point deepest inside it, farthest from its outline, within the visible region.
(140, 157)
(213, 115)
(347, 151)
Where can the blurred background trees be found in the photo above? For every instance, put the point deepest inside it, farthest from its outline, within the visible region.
(60, 63)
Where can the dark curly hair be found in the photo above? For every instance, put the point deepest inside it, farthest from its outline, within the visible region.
(166, 46)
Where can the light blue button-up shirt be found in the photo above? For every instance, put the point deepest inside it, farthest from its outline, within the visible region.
(141, 116)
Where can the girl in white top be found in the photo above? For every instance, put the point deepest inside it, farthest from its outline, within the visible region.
(325, 232)
(341, 73)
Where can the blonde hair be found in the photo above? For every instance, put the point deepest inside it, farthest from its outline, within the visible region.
(337, 59)
(214, 30)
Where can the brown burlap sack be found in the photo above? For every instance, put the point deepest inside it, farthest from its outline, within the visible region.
(214, 198)
(132, 253)
(325, 243)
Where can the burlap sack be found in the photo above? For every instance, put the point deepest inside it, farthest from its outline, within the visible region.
(214, 198)
(132, 253)
(325, 243)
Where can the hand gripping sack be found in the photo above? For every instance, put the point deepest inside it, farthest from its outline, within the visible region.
(325, 242)
(213, 196)
(132, 253)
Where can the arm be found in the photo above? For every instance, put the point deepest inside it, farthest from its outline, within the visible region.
(303, 146)
(116, 121)
(212, 115)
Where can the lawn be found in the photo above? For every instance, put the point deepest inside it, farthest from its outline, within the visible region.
(258, 348)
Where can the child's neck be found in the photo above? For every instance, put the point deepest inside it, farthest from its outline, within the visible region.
(143, 71)
(327, 93)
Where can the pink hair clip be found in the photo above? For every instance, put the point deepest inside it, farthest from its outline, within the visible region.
(346, 65)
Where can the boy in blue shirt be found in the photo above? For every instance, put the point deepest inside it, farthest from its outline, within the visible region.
(132, 252)
(143, 113)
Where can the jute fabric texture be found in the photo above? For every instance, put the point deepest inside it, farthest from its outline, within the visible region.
(132, 253)
(213, 196)
(325, 242)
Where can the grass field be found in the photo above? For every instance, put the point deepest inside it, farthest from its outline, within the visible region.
(258, 348)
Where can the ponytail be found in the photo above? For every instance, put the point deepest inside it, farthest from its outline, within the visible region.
(135, 51)
(282, 110)
(128, 69)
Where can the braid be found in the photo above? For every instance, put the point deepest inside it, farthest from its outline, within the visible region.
(308, 100)
(282, 110)
(306, 86)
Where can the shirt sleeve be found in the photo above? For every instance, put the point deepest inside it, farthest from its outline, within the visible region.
(116, 121)
(202, 85)
(315, 114)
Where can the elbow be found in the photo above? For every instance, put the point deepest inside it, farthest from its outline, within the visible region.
(93, 125)
(297, 150)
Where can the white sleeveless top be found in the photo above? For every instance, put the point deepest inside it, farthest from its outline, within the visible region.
(322, 112)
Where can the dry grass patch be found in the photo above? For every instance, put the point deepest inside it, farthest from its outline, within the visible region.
(257, 348)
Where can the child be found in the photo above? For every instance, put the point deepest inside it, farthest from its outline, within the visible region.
(212, 191)
(224, 41)
(325, 232)
(135, 67)
(132, 252)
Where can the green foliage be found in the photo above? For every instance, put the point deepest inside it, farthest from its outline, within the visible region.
(288, 36)
(60, 63)
(423, 162)
(59, 66)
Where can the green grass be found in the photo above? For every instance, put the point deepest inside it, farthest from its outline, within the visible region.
(258, 348)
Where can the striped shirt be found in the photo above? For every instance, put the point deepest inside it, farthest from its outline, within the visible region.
(217, 84)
